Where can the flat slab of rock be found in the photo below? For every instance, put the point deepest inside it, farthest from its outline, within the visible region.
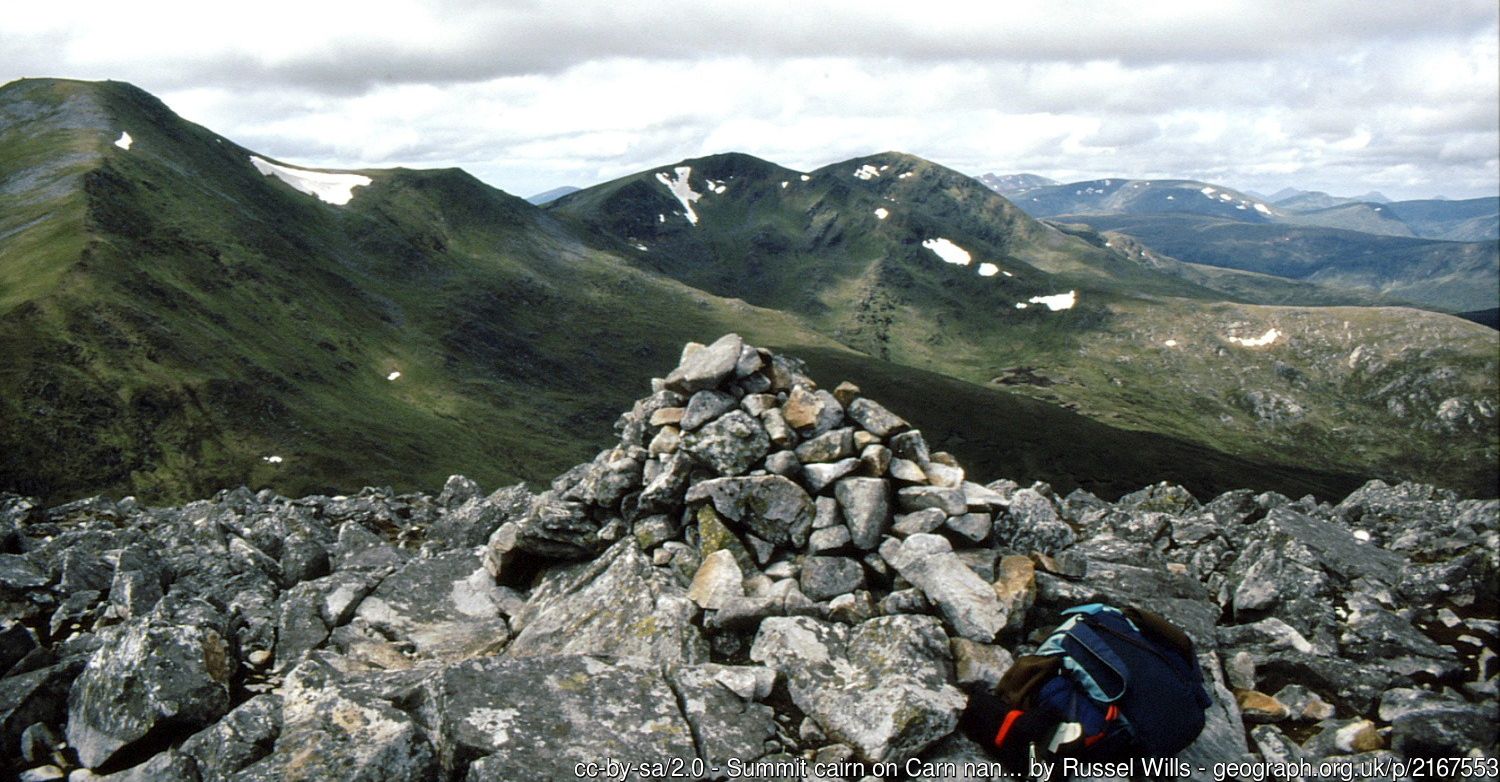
(438, 604)
(538, 718)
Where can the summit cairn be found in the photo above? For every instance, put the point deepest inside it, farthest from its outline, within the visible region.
(760, 578)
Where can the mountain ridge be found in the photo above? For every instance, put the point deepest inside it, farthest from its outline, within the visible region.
(202, 317)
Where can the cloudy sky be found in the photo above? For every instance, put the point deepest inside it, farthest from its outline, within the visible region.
(1345, 96)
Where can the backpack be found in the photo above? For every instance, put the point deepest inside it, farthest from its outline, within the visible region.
(1105, 686)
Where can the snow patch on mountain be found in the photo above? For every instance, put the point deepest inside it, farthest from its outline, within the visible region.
(882, 213)
(1261, 341)
(1057, 301)
(948, 251)
(124, 141)
(1262, 209)
(988, 270)
(684, 191)
(334, 188)
(393, 376)
(867, 172)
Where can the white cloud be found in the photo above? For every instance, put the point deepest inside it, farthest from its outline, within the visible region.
(1337, 95)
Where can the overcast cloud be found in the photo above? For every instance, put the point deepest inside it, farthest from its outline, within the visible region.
(1341, 96)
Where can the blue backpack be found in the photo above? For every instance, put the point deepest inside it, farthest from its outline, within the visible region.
(1106, 685)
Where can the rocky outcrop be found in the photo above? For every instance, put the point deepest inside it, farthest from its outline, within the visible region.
(759, 574)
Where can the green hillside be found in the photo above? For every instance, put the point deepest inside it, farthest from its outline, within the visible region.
(173, 321)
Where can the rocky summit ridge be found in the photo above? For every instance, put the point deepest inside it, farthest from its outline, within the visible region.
(764, 579)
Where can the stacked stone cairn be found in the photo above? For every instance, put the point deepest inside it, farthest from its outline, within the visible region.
(763, 579)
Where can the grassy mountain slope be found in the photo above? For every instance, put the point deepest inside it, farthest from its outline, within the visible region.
(818, 247)
(212, 316)
(172, 319)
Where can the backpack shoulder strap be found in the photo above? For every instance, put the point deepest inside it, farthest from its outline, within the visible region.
(1025, 677)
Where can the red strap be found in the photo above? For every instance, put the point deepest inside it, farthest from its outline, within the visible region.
(1010, 719)
(1109, 716)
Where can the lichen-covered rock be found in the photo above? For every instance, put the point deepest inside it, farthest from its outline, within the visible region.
(539, 717)
(334, 729)
(773, 507)
(436, 604)
(616, 605)
(729, 445)
(883, 687)
(150, 672)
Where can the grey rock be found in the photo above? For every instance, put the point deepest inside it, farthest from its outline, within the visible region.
(457, 490)
(771, 506)
(967, 602)
(169, 766)
(973, 527)
(718, 703)
(827, 447)
(244, 736)
(976, 663)
(777, 429)
(1032, 524)
(538, 718)
(911, 446)
(706, 367)
(826, 577)
(730, 444)
(882, 687)
(906, 471)
(817, 477)
(16, 641)
(332, 729)
(300, 627)
(1163, 498)
(439, 606)
(706, 406)
(150, 672)
(948, 500)
(38, 696)
(917, 522)
(867, 509)
(828, 539)
(17, 573)
(874, 418)
(826, 513)
(617, 605)
(783, 463)
(557, 528)
(663, 493)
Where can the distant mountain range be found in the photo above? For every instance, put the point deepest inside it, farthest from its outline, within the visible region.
(1439, 254)
(179, 314)
(551, 195)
